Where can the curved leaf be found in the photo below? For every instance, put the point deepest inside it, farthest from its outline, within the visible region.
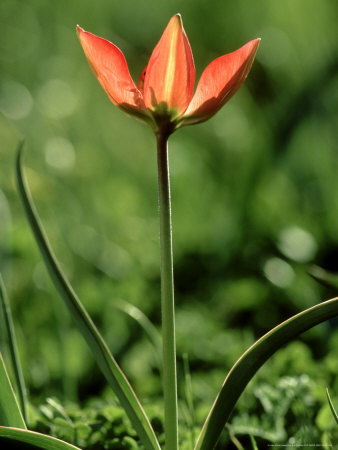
(95, 341)
(248, 364)
(10, 414)
(324, 276)
(11, 437)
(20, 382)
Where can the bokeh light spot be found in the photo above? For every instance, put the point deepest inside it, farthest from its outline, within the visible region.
(16, 101)
(60, 153)
(278, 272)
(297, 244)
(57, 99)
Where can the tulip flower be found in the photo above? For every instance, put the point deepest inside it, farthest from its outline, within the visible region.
(165, 98)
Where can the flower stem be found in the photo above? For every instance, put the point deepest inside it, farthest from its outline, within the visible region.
(167, 298)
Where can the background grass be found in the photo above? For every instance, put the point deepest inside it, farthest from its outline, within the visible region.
(254, 192)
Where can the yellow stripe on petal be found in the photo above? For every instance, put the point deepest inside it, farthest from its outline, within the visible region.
(170, 72)
(170, 76)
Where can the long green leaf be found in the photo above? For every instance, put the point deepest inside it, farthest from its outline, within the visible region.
(99, 349)
(11, 438)
(248, 364)
(10, 414)
(20, 382)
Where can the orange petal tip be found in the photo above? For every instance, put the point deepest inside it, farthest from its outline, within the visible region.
(79, 30)
(177, 18)
(257, 41)
(220, 81)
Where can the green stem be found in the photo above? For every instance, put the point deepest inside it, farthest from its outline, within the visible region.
(167, 298)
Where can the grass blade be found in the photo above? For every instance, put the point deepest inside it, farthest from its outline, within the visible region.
(234, 439)
(10, 414)
(96, 343)
(324, 276)
(17, 438)
(150, 329)
(20, 382)
(253, 443)
(248, 364)
(331, 406)
(189, 398)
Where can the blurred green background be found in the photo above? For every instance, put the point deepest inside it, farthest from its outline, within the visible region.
(254, 191)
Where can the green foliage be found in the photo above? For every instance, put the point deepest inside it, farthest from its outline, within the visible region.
(257, 180)
(286, 413)
(96, 426)
(89, 428)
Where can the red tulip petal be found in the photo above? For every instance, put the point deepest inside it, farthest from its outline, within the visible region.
(219, 82)
(170, 76)
(110, 67)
